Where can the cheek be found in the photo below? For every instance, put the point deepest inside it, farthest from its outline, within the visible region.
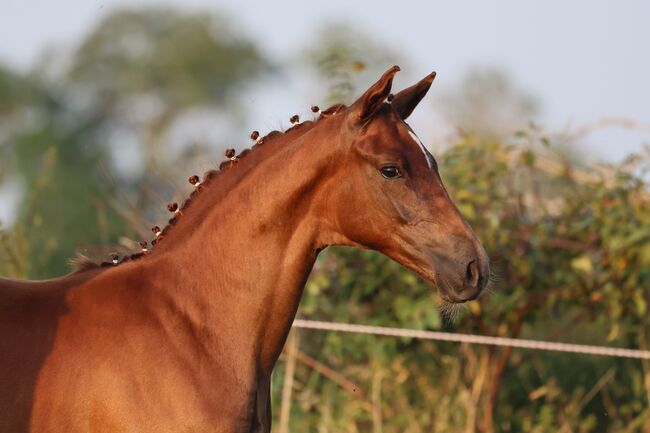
(356, 213)
(373, 206)
(400, 202)
(405, 206)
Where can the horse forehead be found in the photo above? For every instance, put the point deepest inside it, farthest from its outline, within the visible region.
(397, 129)
(420, 146)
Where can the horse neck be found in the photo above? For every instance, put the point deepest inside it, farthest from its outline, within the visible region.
(240, 265)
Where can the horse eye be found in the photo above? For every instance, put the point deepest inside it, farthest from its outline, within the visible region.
(390, 172)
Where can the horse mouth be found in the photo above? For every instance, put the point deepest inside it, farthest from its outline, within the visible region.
(445, 291)
(431, 278)
(454, 300)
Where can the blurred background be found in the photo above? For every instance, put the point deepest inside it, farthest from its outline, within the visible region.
(540, 121)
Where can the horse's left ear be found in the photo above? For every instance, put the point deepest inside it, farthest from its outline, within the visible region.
(405, 101)
(364, 107)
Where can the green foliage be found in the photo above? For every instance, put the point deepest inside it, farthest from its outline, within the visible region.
(569, 248)
(570, 245)
(487, 102)
(63, 194)
(55, 140)
(186, 59)
(15, 90)
(346, 58)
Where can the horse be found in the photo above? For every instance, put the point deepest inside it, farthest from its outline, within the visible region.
(184, 336)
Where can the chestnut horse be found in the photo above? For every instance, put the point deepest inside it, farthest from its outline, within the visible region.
(184, 339)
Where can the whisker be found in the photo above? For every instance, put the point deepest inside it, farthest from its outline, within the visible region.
(451, 312)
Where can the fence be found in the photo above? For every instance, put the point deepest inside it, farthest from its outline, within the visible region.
(474, 339)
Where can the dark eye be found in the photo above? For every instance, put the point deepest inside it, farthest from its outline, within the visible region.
(390, 172)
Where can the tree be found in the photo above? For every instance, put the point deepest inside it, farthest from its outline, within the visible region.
(571, 251)
(136, 71)
(346, 58)
(486, 102)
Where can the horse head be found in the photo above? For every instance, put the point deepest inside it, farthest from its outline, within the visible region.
(389, 196)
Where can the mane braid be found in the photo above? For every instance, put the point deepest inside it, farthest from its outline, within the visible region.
(83, 263)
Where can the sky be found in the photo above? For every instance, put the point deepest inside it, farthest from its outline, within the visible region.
(584, 60)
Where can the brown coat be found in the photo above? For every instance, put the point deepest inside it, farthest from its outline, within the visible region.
(184, 339)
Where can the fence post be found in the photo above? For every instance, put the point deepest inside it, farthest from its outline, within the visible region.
(287, 382)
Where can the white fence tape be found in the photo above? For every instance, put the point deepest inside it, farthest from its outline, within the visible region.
(473, 339)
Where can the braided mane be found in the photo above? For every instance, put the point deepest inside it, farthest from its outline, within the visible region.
(83, 263)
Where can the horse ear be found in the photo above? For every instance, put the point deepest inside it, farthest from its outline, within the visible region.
(405, 101)
(372, 99)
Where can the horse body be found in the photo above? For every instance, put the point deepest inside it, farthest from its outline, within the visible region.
(186, 338)
(93, 353)
(28, 316)
(196, 330)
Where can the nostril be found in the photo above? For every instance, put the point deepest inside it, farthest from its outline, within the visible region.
(472, 274)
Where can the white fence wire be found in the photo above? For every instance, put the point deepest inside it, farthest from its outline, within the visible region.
(473, 339)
